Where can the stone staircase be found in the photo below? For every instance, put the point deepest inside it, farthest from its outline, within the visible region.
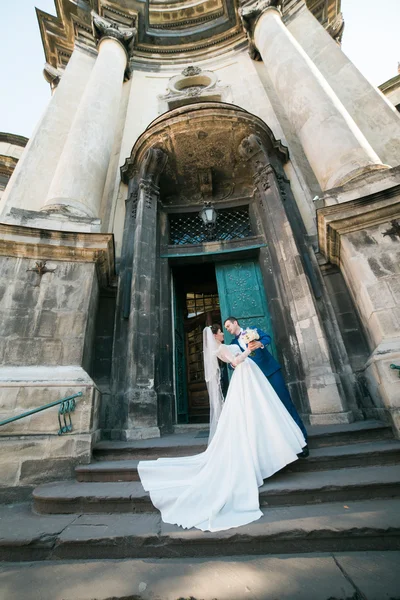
(344, 497)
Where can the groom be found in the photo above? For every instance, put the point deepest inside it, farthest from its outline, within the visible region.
(270, 368)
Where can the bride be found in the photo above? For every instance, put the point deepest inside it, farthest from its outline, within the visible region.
(252, 436)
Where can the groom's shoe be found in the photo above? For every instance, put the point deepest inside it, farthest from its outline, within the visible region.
(305, 453)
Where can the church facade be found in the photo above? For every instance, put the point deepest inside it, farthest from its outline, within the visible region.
(195, 161)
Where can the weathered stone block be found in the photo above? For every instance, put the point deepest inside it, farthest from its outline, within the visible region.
(46, 324)
(49, 469)
(9, 472)
(70, 325)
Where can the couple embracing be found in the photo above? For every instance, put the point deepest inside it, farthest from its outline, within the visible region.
(253, 434)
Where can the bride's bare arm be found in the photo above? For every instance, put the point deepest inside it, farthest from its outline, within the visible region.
(226, 354)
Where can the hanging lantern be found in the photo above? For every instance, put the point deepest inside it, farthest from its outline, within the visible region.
(208, 215)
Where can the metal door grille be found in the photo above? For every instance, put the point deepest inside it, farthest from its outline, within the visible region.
(188, 228)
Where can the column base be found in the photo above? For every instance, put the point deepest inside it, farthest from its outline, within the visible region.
(359, 172)
(68, 206)
(59, 221)
(140, 433)
(332, 418)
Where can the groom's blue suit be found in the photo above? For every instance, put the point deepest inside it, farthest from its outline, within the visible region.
(272, 371)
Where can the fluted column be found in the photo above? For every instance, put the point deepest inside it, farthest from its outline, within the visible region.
(335, 148)
(78, 183)
(141, 396)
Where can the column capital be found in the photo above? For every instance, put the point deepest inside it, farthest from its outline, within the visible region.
(102, 28)
(249, 13)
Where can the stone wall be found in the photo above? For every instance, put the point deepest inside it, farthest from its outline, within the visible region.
(44, 319)
(47, 324)
(371, 267)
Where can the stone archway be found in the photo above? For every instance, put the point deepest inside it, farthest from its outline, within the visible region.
(220, 152)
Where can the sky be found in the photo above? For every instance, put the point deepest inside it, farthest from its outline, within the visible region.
(371, 40)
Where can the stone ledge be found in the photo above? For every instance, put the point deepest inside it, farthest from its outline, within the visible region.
(45, 244)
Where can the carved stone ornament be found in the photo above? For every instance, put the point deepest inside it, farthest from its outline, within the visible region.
(191, 71)
(249, 14)
(52, 75)
(394, 230)
(151, 168)
(103, 28)
(336, 28)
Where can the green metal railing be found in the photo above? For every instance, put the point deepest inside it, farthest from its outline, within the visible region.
(67, 406)
(395, 367)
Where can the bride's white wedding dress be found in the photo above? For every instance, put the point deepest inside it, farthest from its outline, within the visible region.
(218, 489)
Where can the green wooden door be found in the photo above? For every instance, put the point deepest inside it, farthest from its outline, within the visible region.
(241, 294)
(180, 360)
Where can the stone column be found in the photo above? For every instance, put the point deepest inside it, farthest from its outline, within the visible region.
(143, 322)
(335, 147)
(372, 112)
(33, 174)
(78, 182)
(323, 384)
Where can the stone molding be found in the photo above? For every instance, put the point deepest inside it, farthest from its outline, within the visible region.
(15, 140)
(44, 244)
(355, 215)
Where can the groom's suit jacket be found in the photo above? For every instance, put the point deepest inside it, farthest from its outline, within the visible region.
(262, 357)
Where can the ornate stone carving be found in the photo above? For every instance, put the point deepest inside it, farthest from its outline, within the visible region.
(192, 82)
(250, 146)
(151, 168)
(394, 230)
(103, 28)
(191, 71)
(134, 197)
(52, 75)
(249, 14)
(252, 149)
(336, 28)
(262, 177)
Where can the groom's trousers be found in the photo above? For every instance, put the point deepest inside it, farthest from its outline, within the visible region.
(279, 385)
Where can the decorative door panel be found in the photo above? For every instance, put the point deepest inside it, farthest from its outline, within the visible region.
(241, 294)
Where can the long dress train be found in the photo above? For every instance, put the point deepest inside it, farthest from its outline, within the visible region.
(218, 489)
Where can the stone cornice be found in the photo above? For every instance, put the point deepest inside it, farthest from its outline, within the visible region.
(355, 215)
(44, 244)
(15, 140)
(390, 85)
(205, 36)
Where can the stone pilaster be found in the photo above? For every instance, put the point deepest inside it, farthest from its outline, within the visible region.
(335, 148)
(78, 183)
(142, 397)
(322, 383)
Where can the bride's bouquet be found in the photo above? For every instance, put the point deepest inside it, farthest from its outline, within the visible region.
(249, 335)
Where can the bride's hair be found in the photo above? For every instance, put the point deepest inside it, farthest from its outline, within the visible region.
(215, 327)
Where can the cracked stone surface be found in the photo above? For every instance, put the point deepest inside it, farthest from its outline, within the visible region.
(343, 576)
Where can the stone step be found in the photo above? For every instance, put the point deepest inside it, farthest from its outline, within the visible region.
(194, 442)
(328, 527)
(280, 490)
(329, 457)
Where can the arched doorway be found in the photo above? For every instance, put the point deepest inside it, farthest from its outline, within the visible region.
(218, 153)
